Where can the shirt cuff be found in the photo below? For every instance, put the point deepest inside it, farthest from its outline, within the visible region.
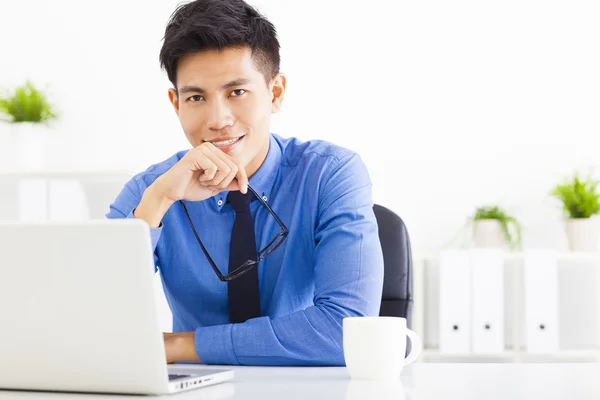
(214, 345)
(154, 232)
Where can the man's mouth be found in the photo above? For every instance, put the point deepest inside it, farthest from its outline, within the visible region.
(221, 142)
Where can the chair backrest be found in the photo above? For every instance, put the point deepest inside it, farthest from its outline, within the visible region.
(397, 299)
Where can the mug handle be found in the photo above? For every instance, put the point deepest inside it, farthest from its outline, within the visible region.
(416, 347)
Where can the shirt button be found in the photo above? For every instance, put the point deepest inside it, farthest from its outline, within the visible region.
(265, 198)
(220, 202)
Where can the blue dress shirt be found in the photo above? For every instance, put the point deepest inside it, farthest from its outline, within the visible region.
(329, 267)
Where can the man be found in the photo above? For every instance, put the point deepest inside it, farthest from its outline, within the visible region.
(206, 222)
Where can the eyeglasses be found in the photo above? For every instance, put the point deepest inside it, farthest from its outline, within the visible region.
(245, 267)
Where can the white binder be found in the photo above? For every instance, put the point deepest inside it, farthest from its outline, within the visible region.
(541, 301)
(487, 311)
(455, 302)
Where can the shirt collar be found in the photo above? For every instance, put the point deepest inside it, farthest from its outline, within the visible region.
(263, 180)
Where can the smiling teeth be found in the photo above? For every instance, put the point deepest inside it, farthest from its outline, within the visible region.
(225, 142)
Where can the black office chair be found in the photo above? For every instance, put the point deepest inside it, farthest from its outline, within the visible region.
(397, 299)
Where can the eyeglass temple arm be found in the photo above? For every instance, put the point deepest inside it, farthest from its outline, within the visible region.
(210, 261)
(279, 222)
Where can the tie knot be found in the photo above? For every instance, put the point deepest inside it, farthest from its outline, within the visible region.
(239, 201)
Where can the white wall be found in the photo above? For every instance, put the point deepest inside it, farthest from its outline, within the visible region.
(451, 104)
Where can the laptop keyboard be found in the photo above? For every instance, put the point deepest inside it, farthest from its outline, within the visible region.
(172, 377)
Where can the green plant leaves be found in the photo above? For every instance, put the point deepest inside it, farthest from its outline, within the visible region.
(505, 220)
(580, 197)
(27, 104)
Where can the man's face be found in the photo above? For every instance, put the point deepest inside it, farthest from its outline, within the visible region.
(223, 98)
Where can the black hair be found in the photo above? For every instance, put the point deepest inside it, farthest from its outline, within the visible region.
(217, 25)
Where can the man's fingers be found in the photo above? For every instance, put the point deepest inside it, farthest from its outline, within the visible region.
(233, 170)
(233, 167)
(233, 186)
(200, 162)
(240, 175)
(219, 169)
(242, 180)
(227, 180)
(223, 168)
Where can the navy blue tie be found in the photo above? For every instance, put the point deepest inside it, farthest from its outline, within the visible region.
(244, 296)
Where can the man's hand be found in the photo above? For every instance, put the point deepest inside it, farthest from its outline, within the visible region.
(180, 346)
(202, 173)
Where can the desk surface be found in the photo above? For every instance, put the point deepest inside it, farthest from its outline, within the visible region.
(418, 381)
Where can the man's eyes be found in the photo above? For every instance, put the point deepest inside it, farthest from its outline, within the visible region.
(195, 98)
(234, 93)
(238, 92)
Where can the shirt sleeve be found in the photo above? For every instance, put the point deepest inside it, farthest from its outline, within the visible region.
(124, 206)
(348, 282)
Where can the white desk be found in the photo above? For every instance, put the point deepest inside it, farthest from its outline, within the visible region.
(418, 381)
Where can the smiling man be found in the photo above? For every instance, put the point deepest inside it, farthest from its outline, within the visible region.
(264, 243)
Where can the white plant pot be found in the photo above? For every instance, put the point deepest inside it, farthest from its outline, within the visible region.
(29, 144)
(583, 234)
(488, 233)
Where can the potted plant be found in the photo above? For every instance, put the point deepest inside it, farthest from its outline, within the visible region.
(28, 113)
(493, 227)
(581, 204)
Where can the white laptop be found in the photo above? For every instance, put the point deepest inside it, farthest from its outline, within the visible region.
(78, 311)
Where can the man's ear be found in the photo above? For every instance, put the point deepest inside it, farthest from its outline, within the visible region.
(174, 100)
(278, 92)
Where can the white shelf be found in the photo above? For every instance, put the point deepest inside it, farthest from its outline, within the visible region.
(590, 355)
(62, 173)
(518, 256)
(61, 194)
(434, 353)
(579, 310)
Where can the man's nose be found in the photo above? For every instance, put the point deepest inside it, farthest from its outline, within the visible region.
(220, 116)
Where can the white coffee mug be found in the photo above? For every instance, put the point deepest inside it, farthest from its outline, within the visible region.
(374, 347)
